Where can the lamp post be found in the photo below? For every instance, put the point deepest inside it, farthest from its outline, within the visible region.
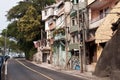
(5, 42)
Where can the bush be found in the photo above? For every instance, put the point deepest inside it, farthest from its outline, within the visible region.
(29, 56)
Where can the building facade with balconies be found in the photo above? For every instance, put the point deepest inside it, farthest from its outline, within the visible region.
(76, 35)
(47, 17)
(59, 34)
(97, 16)
(55, 27)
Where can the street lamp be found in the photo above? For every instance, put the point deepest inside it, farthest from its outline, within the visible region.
(5, 42)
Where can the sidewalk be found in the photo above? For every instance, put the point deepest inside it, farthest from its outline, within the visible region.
(85, 75)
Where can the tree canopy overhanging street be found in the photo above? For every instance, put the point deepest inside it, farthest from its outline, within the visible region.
(22, 15)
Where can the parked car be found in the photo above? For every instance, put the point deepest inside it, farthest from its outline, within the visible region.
(6, 57)
(1, 60)
(1, 66)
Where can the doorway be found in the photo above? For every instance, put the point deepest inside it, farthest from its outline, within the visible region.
(44, 57)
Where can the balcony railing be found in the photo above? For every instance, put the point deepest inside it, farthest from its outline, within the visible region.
(44, 45)
(96, 22)
(50, 12)
(98, 18)
(73, 46)
(59, 36)
(74, 28)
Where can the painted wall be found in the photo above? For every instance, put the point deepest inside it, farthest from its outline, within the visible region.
(95, 12)
(59, 56)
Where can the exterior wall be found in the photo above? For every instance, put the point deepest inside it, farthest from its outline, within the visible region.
(67, 7)
(96, 20)
(46, 25)
(90, 1)
(60, 23)
(59, 57)
(95, 12)
(99, 51)
(59, 52)
(47, 12)
(52, 25)
(47, 16)
(74, 43)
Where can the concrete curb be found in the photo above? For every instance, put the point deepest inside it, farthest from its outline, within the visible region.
(81, 75)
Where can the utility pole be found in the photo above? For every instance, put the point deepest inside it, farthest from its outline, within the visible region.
(82, 21)
(83, 41)
(66, 40)
(84, 26)
(79, 37)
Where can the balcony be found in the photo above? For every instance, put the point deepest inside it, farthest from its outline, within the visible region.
(44, 45)
(60, 22)
(59, 9)
(74, 46)
(74, 28)
(59, 37)
(101, 3)
(47, 13)
(96, 22)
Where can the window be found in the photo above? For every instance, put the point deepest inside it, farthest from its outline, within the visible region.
(73, 22)
(74, 1)
(73, 38)
(45, 12)
(77, 37)
(101, 14)
(106, 10)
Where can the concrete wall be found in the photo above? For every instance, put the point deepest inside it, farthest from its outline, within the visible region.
(59, 56)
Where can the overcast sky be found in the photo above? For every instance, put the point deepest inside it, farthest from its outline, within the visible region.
(5, 5)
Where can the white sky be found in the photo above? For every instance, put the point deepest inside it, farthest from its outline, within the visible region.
(5, 5)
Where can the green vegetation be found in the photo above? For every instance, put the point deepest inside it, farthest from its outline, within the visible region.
(26, 24)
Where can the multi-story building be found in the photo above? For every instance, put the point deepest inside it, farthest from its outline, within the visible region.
(59, 25)
(59, 34)
(55, 27)
(75, 31)
(47, 16)
(97, 17)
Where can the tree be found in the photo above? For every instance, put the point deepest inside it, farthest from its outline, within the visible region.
(12, 30)
(40, 4)
(29, 24)
(18, 11)
(26, 23)
(2, 42)
(9, 44)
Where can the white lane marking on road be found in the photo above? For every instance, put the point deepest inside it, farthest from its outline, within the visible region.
(35, 70)
(6, 68)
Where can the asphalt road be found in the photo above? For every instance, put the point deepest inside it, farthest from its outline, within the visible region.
(23, 70)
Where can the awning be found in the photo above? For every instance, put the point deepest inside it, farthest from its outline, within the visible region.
(104, 32)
